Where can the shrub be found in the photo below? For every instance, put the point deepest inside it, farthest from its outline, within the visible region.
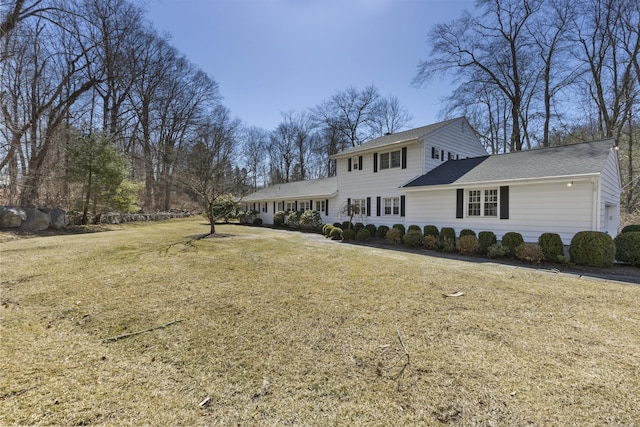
(511, 241)
(293, 219)
(394, 236)
(467, 232)
(326, 229)
(551, 245)
(531, 252)
(468, 244)
(336, 233)
(310, 220)
(497, 251)
(400, 227)
(431, 230)
(448, 238)
(346, 225)
(630, 228)
(431, 242)
(382, 231)
(593, 249)
(372, 229)
(414, 227)
(348, 234)
(337, 224)
(486, 239)
(358, 226)
(278, 218)
(257, 221)
(413, 238)
(363, 235)
(628, 247)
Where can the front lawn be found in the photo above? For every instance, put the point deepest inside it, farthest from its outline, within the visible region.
(268, 327)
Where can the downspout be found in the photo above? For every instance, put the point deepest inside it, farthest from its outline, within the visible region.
(596, 194)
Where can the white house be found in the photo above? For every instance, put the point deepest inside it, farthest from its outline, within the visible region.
(441, 175)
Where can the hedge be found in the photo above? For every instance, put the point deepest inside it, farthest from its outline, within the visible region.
(593, 249)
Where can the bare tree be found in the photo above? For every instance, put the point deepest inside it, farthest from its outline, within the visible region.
(388, 116)
(256, 141)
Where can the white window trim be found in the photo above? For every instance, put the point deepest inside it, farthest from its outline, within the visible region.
(389, 154)
(483, 201)
(395, 204)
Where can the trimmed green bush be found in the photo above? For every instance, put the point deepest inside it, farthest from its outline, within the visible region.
(336, 233)
(382, 231)
(346, 225)
(530, 252)
(373, 230)
(593, 249)
(630, 228)
(337, 224)
(358, 226)
(497, 251)
(394, 236)
(413, 238)
(257, 221)
(628, 247)
(551, 245)
(348, 234)
(325, 229)
(414, 227)
(468, 244)
(467, 232)
(448, 239)
(431, 230)
(431, 242)
(278, 218)
(363, 235)
(486, 239)
(511, 241)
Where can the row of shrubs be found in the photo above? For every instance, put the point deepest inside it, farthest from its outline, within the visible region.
(590, 248)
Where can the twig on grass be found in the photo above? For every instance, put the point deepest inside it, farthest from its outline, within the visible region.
(119, 337)
(402, 358)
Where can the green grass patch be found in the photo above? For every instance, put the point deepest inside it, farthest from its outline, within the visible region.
(282, 328)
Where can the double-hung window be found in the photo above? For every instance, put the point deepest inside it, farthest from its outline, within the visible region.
(359, 206)
(482, 203)
(320, 205)
(290, 206)
(304, 206)
(390, 160)
(392, 206)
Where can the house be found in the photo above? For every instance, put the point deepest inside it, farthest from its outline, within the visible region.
(441, 175)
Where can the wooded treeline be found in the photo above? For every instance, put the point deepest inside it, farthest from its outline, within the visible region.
(94, 77)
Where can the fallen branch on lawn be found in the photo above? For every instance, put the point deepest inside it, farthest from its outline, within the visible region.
(130, 334)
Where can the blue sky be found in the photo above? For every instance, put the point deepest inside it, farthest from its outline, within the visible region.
(273, 56)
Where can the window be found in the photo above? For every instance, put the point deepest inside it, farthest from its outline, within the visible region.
(483, 203)
(474, 203)
(392, 206)
(280, 206)
(304, 206)
(435, 153)
(359, 206)
(320, 205)
(290, 206)
(491, 202)
(356, 166)
(390, 160)
(264, 207)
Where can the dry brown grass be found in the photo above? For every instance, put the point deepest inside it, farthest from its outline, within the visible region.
(283, 328)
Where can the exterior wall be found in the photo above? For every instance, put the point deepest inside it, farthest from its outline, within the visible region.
(534, 209)
(267, 215)
(609, 201)
(458, 138)
(360, 184)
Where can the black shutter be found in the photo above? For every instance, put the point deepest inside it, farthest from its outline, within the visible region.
(504, 202)
(375, 162)
(433, 152)
(326, 207)
(442, 155)
(378, 203)
(404, 157)
(459, 203)
(274, 207)
(402, 203)
(311, 204)
(368, 206)
(254, 207)
(349, 164)
(360, 162)
(295, 205)
(348, 206)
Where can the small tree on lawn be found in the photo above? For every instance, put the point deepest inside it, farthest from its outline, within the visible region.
(351, 211)
(207, 172)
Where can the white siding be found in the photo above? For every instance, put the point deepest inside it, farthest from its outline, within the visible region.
(533, 209)
(458, 138)
(609, 204)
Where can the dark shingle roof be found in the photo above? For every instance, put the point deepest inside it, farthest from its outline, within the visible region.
(567, 160)
(325, 187)
(397, 138)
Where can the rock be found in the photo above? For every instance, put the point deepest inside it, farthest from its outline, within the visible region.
(58, 217)
(36, 220)
(11, 217)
